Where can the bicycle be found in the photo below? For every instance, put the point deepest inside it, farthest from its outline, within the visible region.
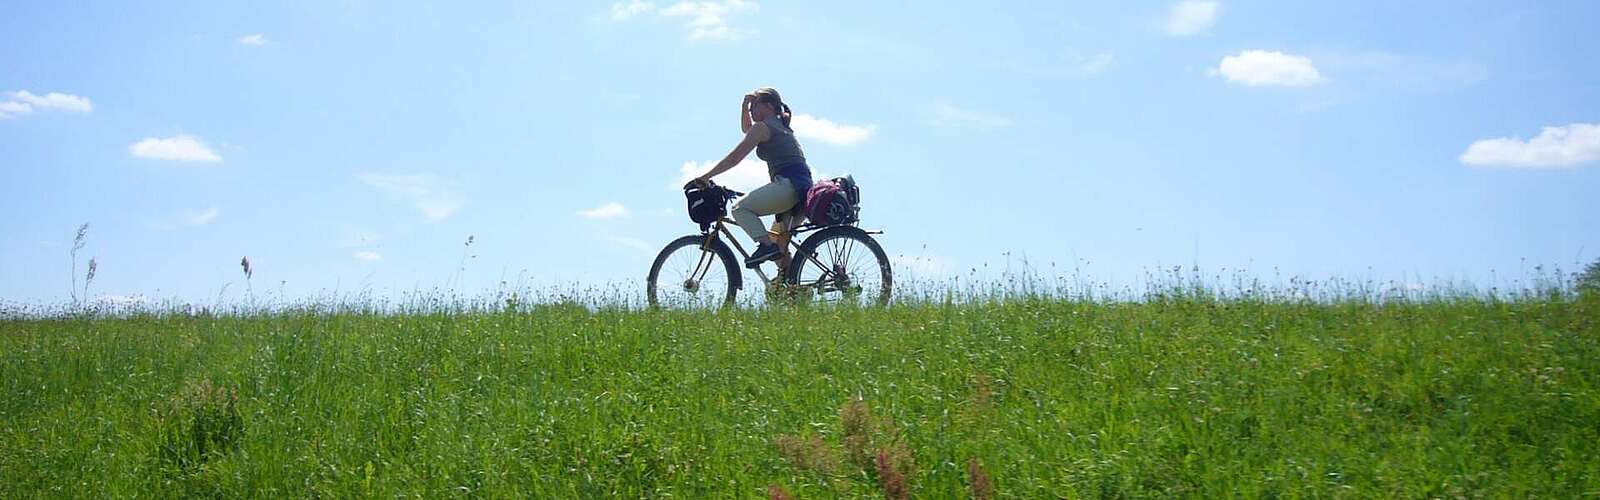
(699, 270)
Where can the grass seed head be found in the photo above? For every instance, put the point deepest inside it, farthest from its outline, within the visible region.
(81, 238)
(983, 393)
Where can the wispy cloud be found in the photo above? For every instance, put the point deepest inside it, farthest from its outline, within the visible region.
(622, 11)
(1554, 147)
(746, 176)
(1191, 17)
(1096, 64)
(611, 210)
(353, 237)
(367, 255)
(434, 196)
(255, 40)
(707, 20)
(1388, 69)
(22, 102)
(950, 117)
(1256, 68)
(202, 217)
(177, 148)
(811, 127)
(632, 243)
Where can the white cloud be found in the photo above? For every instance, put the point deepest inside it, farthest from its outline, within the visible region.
(811, 127)
(202, 217)
(705, 20)
(719, 32)
(621, 11)
(255, 39)
(177, 148)
(1254, 68)
(21, 102)
(432, 195)
(53, 100)
(1554, 147)
(746, 176)
(607, 211)
(1191, 17)
(12, 108)
(1097, 64)
(367, 255)
(950, 117)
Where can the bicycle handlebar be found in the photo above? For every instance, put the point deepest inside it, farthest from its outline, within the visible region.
(726, 193)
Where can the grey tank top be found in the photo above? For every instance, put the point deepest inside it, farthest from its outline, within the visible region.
(780, 150)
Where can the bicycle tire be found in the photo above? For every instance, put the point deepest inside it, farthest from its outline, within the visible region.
(837, 239)
(692, 244)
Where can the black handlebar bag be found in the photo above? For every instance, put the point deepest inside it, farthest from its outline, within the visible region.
(706, 205)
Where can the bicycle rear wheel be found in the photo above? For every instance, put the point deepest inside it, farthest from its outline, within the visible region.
(689, 274)
(841, 264)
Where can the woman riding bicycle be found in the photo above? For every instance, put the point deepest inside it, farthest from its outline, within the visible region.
(764, 118)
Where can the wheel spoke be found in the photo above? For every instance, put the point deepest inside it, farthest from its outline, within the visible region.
(690, 276)
(843, 268)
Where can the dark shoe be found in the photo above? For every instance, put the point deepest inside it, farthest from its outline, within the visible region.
(764, 252)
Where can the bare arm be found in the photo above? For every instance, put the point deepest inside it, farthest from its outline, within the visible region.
(744, 113)
(753, 136)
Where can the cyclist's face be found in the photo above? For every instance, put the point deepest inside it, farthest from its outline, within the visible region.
(761, 111)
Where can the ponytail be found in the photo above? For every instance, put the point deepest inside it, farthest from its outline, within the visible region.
(786, 114)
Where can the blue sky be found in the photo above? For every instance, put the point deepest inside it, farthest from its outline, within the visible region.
(355, 145)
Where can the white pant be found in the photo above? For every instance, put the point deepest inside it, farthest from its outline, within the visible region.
(776, 197)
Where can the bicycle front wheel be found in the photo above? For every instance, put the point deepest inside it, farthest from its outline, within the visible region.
(690, 274)
(841, 264)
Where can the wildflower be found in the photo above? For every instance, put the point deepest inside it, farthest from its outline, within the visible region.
(890, 477)
(775, 492)
(856, 419)
(245, 263)
(807, 453)
(978, 481)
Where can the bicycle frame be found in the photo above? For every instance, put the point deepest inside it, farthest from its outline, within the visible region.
(720, 227)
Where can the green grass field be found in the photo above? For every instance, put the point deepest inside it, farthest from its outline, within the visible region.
(1037, 398)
